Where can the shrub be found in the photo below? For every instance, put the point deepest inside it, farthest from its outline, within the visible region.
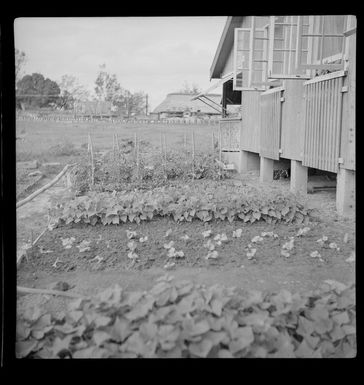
(183, 319)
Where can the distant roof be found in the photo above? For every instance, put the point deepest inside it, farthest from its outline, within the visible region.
(180, 102)
(225, 45)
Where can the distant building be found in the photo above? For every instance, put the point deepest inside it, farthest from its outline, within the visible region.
(93, 108)
(180, 105)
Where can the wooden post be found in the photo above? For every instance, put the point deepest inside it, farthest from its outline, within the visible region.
(117, 142)
(137, 153)
(220, 149)
(193, 154)
(92, 160)
(161, 142)
(185, 139)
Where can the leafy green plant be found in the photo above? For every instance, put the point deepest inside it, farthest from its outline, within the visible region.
(183, 319)
(182, 203)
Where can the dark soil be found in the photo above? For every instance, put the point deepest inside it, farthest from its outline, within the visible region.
(110, 243)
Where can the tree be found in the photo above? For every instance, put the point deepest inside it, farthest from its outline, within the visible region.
(134, 103)
(108, 88)
(36, 91)
(71, 91)
(187, 89)
(20, 60)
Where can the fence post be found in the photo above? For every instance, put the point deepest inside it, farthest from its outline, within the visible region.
(137, 153)
(92, 160)
(193, 154)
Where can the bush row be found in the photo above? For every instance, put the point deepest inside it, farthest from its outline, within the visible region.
(182, 203)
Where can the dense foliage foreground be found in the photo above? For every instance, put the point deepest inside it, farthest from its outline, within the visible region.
(183, 319)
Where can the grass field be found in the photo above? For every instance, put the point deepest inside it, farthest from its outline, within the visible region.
(41, 136)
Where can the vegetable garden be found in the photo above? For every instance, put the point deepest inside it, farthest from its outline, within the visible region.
(140, 207)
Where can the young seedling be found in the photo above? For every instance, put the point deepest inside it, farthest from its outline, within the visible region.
(55, 263)
(289, 245)
(206, 233)
(168, 245)
(83, 246)
(169, 265)
(209, 245)
(132, 255)
(143, 239)
(179, 254)
(237, 233)
(67, 242)
(316, 254)
(250, 254)
(285, 253)
(212, 254)
(52, 226)
(322, 240)
(333, 245)
(132, 245)
(173, 253)
(42, 251)
(185, 237)
(257, 239)
(168, 233)
(302, 231)
(131, 234)
(98, 259)
(220, 238)
(99, 239)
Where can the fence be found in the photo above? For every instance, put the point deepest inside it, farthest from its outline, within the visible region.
(114, 120)
(323, 122)
(230, 134)
(270, 130)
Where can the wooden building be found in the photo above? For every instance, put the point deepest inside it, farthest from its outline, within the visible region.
(93, 108)
(181, 105)
(294, 78)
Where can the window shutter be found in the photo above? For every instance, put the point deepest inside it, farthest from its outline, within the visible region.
(251, 55)
(241, 57)
(284, 46)
(325, 42)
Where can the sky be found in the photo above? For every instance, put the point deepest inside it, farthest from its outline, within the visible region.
(155, 55)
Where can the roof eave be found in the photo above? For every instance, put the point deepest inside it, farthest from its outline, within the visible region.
(225, 44)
